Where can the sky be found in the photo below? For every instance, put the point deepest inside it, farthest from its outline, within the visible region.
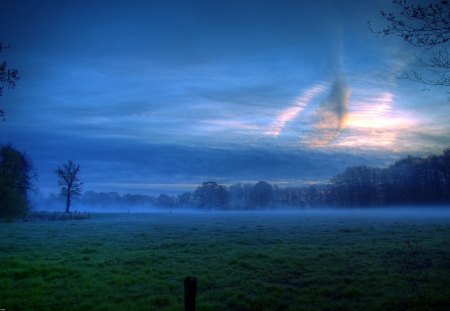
(159, 96)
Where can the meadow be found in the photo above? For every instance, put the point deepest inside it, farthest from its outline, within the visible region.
(243, 261)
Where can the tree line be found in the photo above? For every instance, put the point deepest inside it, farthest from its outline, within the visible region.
(411, 180)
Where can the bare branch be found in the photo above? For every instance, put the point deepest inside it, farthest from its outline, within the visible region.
(426, 27)
(8, 77)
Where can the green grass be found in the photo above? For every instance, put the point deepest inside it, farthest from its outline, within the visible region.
(256, 261)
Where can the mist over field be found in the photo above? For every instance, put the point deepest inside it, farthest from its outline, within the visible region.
(397, 211)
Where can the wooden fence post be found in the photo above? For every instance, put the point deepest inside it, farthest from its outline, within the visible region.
(190, 290)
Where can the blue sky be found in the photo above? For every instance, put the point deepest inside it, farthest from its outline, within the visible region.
(153, 96)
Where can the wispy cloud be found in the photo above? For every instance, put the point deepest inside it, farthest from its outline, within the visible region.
(293, 112)
(220, 125)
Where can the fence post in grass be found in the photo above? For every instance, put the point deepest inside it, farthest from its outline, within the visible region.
(190, 290)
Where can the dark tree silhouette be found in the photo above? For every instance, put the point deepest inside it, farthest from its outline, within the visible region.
(165, 201)
(239, 196)
(358, 186)
(184, 199)
(112, 199)
(210, 195)
(8, 77)
(69, 181)
(426, 27)
(411, 180)
(262, 194)
(16, 176)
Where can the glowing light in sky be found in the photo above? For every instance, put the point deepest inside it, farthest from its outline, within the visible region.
(373, 123)
(372, 113)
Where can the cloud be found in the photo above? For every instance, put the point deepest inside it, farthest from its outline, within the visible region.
(295, 110)
(373, 122)
(221, 125)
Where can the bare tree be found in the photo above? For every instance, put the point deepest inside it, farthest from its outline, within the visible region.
(8, 78)
(426, 27)
(69, 181)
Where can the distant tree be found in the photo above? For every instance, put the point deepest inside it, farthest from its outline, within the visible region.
(411, 180)
(239, 196)
(114, 198)
(71, 187)
(165, 201)
(427, 27)
(358, 186)
(184, 199)
(133, 199)
(210, 195)
(444, 164)
(16, 176)
(262, 194)
(8, 77)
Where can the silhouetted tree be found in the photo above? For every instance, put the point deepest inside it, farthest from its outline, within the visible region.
(115, 200)
(262, 194)
(358, 186)
(184, 200)
(8, 78)
(71, 187)
(239, 196)
(16, 175)
(210, 195)
(165, 201)
(427, 27)
(411, 180)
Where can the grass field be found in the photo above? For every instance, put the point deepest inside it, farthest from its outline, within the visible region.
(248, 261)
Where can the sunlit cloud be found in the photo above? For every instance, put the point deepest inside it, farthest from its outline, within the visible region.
(374, 123)
(294, 111)
(367, 119)
(373, 112)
